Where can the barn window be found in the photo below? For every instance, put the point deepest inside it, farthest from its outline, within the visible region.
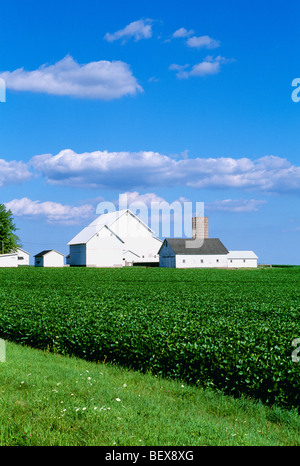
(183, 260)
(201, 261)
(217, 260)
(20, 258)
(244, 260)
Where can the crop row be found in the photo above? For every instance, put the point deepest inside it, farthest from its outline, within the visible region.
(227, 329)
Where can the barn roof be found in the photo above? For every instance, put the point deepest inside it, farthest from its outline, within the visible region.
(88, 232)
(242, 255)
(43, 253)
(210, 246)
(104, 220)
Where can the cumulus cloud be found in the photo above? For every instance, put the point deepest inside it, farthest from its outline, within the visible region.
(132, 170)
(13, 172)
(53, 212)
(208, 66)
(101, 168)
(182, 32)
(95, 80)
(141, 29)
(202, 42)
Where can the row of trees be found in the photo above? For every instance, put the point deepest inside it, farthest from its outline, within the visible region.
(9, 241)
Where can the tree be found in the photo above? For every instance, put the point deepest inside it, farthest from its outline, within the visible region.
(9, 241)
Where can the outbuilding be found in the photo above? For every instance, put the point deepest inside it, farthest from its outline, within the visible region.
(23, 257)
(176, 253)
(242, 259)
(49, 258)
(9, 260)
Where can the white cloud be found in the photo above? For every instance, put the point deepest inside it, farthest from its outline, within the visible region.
(202, 41)
(208, 66)
(100, 168)
(13, 172)
(141, 29)
(182, 32)
(96, 80)
(177, 67)
(53, 212)
(135, 197)
(235, 205)
(131, 170)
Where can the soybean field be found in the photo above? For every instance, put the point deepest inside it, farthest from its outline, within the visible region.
(237, 331)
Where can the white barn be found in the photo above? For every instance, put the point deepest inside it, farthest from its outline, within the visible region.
(23, 257)
(9, 260)
(49, 258)
(115, 239)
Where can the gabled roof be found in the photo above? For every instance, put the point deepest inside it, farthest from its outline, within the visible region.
(23, 250)
(210, 246)
(104, 220)
(43, 253)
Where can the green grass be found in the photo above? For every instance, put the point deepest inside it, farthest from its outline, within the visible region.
(48, 399)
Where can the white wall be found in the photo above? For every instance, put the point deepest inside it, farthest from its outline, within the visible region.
(104, 250)
(199, 261)
(9, 260)
(137, 238)
(23, 257)
(242, 262)
(53, 259)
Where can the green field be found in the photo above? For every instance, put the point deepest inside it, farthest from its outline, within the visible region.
(51, 400)
(231, 330)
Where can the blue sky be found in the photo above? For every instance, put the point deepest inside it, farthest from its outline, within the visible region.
(160, 100)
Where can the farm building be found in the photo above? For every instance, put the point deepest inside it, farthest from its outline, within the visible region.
(180, 253)
(9, 260)
(23, 257)
(115, 239)
(242, 259)
(176, 253)
(49, 258)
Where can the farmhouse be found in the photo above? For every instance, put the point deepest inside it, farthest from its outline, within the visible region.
(210, 252)
(49, 258)
(115, 239)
